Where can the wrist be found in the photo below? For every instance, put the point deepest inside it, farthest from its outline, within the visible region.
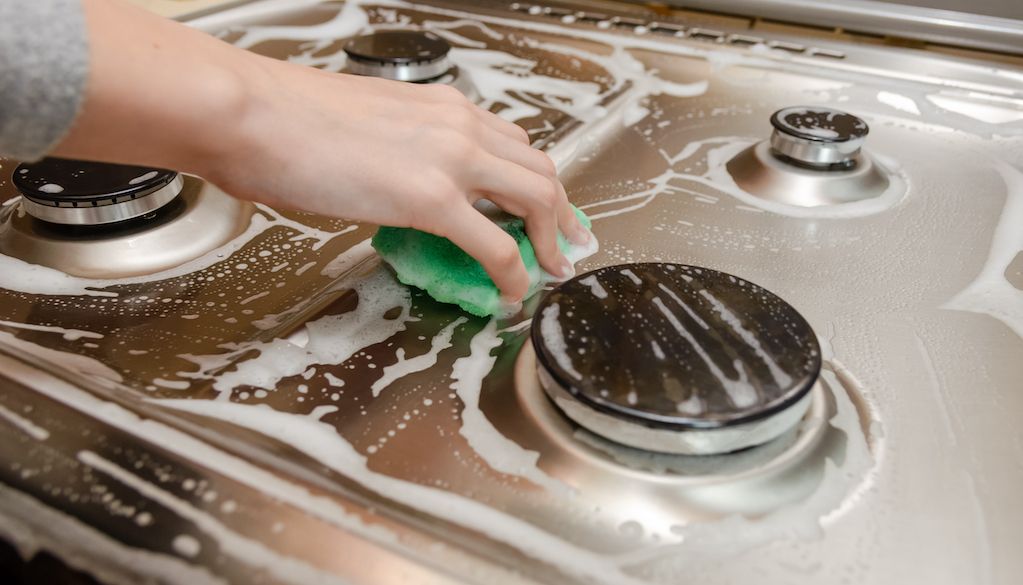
(225, 96)
(168, 102)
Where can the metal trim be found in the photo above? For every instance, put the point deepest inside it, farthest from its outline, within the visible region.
(927, 24)
(103, 214)
(413, 72)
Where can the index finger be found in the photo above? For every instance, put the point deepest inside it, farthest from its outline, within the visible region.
(497, 251)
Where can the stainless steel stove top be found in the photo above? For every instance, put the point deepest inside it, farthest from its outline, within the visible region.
(280, 409)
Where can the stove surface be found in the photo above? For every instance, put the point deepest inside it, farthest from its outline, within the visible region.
(280, 409)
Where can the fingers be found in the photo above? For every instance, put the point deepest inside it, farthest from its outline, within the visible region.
(518, 178)
(490, 245)
(540, 163)
(451, 97)
(502, 126)
(568, 221)
(531, 196)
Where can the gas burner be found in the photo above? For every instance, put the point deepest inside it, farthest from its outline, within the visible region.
(71, 192)
(818, 137)
(399, 55)
(675, 358)
(813, 158)
(404, 55)
(107, 221)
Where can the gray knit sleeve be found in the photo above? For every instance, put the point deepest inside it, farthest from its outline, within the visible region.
(44, 60)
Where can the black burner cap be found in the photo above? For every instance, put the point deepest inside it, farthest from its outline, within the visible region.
(65, 182)
(397, 47)
(819, 124)
(675, 346)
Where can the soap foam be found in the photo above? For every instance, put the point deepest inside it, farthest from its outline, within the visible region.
(720, 151)
(991, 293)
(332, 339)
(406, 366)
(20, 276)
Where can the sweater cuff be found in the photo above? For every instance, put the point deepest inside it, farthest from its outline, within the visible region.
(44, 64)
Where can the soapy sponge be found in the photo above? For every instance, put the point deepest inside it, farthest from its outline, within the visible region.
(450, 275)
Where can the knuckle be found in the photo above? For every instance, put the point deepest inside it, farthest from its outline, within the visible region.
(459, 148)
(521, 133)
(506, 255)
(547, 195)
(462, 120)
(445, 93)
(545, 165)
(436, 198)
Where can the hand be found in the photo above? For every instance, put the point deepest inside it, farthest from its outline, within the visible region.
(398, 154)
(366, 149)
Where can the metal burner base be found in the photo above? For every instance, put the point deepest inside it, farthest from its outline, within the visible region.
(201, 219)
(680, 488)
(715, 441)
(759, 172)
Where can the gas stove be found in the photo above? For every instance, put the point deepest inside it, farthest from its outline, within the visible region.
(795, 357)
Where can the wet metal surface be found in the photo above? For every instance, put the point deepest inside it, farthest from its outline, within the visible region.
(280, 400)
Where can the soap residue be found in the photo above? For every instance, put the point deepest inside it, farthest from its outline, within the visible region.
(498, 451)
(18, 275)
(719, 151)
(322, 442)
(899, 102)
(991, 293)
(554, 340)
(780, 377)
(28, 427)
(332, 339)
(32, 525)
(740, 391)
(246, 550)
(66, 334)
(406, 366)
(595, 287)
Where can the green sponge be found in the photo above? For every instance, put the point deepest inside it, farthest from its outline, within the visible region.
(450, 275)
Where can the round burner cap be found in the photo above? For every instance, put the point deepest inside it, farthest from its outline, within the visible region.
(819, 124)
(817, 137)
(399, 55)
(87, 193)
(645, 353)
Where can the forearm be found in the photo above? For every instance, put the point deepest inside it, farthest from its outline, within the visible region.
(158, 93)
(387, 152)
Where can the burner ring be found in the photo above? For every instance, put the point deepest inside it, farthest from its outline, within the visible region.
(675, 358)
(73, 192)
(414, 56)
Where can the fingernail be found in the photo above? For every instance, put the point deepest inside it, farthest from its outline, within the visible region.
(580, 236)
(509, 307)
(567, 270)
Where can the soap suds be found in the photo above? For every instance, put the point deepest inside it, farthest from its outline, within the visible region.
(246, 550)
(28, 427)
(332, 339)
(595, 286)
(554, 340)
(498, 451)
(991, 293)
(406, 366)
